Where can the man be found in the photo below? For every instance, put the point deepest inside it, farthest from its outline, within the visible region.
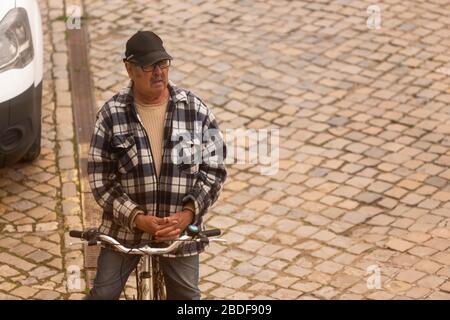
(155, 165)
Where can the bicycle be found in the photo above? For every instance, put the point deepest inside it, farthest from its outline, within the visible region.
(149, 279)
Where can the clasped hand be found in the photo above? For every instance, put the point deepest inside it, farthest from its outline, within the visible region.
(164, 229)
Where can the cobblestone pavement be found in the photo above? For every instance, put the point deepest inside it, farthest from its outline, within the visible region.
(39, 202)
(364, 148)
(363, 179)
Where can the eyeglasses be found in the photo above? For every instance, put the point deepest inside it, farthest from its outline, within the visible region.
(163, 64)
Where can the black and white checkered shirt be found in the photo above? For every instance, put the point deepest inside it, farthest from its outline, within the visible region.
(122, 174)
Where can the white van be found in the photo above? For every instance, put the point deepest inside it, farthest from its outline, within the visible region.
(21, 73)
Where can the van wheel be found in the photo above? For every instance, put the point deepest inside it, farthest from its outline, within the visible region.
(35, 149)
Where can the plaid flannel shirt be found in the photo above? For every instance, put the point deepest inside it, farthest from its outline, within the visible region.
(122, 174)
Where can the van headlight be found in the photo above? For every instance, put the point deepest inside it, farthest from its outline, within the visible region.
(16, 45)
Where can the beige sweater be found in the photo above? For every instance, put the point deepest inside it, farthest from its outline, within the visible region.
(153, 117)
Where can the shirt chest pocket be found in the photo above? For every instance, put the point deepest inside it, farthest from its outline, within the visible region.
(188, 169)
(185, 156)
(125, 148)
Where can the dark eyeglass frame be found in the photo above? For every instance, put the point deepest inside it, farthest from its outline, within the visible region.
(152, 67)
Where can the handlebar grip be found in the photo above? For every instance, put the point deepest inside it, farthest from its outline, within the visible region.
(211, 232)
(76, 234)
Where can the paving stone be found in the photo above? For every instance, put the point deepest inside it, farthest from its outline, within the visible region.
(42, 272)
(399, 244)
(410, 276)
(7, 286)
(48, 226)
(219, 277)
(7, 271)
(24, 292)
(39, 256)
(445, 287)
(265, 275)
(326, 292)
(431, 281)
(418, 293)
(325, 252)
(329, 267)
(368, 197)
(381, 220)
(236, 282)
(16, 262)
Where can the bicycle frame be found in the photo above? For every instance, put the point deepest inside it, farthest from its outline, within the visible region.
(150, 284)
(146, 280)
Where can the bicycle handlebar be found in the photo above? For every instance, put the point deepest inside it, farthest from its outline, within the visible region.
(77, 234)
(93, 237)
(211, 233)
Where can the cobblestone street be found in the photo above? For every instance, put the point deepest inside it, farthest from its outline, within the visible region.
(364, 123)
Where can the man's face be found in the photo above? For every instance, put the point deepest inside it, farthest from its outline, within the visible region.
(150, 82)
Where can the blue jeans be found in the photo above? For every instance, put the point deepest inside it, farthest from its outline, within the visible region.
(113, 269)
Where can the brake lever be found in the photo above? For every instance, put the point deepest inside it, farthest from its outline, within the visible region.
(92, 242)
(93, 237)
(203, 239)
